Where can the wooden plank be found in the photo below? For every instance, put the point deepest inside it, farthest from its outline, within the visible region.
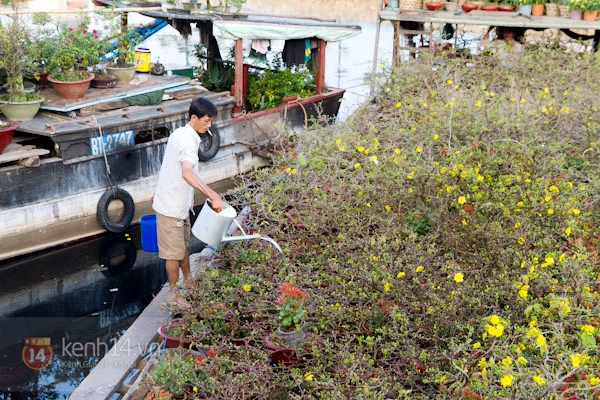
(16, 152)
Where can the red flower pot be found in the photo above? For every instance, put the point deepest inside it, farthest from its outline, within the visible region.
(173, 342)
(434, 5)
(469, 7)
(72, 89)
(506, 8)
(489, 8)
(6, 135)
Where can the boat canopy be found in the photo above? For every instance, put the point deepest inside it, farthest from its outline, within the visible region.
(277, 28)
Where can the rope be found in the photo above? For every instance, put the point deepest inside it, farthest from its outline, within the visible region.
(108, 173)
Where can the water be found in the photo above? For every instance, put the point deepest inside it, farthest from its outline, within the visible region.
(62, 309)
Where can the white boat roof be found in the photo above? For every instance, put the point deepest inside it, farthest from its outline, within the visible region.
(279, 28)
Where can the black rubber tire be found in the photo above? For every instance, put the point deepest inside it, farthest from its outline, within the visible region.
(102, 210)
(209, 145)
(117, 247)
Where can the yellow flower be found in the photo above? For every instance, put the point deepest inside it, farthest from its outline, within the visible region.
(449, 81)
(589, 329)
(540, 341)
(435, 136)
(550, 211)
(482, 363)
(494, 319)
(342, 148)
(247, 288)
(195, 389)
(546, 90)
(418, 149)
(356, 166)
(476, 345)
(419, 268)
(397, 151)
(386, 286)
(494, 330)
(398, 105)
(458, 277)
(506, 380)
(539, 380)
(400, 274)
(387, 207)
(360, 149)
(478, 103)
(575, 360)
(522, 360)
(308, 376)
(368, 205)
(521, 240)
(568, 231)
(462, 200)
(523, 291)
(507, 361)
(594, 380)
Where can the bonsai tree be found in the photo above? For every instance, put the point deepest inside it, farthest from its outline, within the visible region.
(125, 39)
(41, 48)
(14, 39)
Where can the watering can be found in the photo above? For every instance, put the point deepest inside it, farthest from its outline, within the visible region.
(212, 227)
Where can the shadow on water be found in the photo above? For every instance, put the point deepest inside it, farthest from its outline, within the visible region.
(61, 310)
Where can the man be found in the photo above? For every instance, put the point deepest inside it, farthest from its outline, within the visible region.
(174, 196)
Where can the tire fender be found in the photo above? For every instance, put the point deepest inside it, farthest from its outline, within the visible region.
(108, 197)
(209, 144)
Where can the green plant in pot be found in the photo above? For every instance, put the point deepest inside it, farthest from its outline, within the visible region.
(125, 39)
(41, 49)
(17, 104)
(77, 49)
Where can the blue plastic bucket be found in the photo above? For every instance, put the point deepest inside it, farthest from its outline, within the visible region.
(148, 228)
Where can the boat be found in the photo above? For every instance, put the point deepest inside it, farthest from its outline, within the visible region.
(83, 167)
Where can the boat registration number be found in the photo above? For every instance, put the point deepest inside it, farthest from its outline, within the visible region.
(112, 142)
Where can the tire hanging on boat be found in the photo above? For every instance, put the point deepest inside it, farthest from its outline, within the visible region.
(108, 197)
(209, 144)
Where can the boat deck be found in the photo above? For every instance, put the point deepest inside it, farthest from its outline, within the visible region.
(140, 84)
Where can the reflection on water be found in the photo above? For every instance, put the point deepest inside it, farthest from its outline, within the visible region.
(78, 300)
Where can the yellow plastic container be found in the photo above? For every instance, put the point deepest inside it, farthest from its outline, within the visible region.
(142, 59)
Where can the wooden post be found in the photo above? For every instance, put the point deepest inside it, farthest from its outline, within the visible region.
(320, 73)
(239, 77)
(396, 45)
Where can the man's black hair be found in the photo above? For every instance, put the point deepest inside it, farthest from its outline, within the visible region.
(201, 107)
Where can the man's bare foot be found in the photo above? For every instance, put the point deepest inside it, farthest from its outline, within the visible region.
(176, 301)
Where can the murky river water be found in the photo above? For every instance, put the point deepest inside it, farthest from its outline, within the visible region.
(90, 292)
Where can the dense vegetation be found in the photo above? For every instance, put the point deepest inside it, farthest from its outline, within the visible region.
(447, 237)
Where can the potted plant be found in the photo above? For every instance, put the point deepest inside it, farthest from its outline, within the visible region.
(40, 50)
(290, 305)
(16, 104)
(7, 130)
(76, 50)
(576, 8)
(125, 39)
(537, 7)
(524, 6)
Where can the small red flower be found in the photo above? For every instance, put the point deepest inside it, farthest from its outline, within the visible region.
(211, 353)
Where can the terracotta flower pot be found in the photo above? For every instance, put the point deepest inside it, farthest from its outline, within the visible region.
(434, 5)
(469, 7)
(589, 15)
(537, 10)
(71, 89)
(489, 8)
